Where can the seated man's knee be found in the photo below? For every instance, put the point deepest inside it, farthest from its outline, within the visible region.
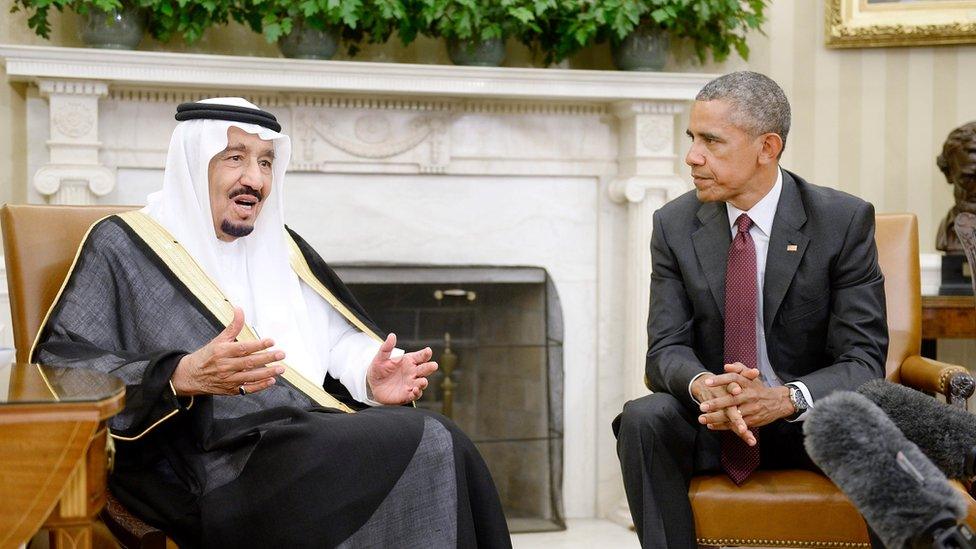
(647, 415)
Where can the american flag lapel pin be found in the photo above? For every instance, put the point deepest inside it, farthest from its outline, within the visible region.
(791, 247)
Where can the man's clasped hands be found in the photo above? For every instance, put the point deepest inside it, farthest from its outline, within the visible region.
(738, 400)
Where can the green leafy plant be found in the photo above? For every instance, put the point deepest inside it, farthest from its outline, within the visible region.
(188, 19)
(354, 20)
(482, 20)
(711, 25)
(380, 18)
(38, 10)
(558, 28)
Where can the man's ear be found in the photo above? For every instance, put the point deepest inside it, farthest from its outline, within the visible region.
(772, 146)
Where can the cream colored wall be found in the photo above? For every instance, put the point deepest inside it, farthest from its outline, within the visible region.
(868, 121)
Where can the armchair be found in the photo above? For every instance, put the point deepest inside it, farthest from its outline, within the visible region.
(40, 244)
(796, 508)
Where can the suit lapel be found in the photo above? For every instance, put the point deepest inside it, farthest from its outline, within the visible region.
(711, 243)
(786, 248)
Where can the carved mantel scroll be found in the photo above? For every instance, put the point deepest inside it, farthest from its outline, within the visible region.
(325, 139)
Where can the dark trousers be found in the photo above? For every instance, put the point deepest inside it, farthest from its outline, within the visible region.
(661, 445)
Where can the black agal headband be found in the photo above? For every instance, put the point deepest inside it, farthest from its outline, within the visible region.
(217, 111)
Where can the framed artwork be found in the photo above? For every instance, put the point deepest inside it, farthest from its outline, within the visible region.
(880, 23)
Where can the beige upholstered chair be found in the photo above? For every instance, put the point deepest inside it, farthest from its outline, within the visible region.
(40, 243)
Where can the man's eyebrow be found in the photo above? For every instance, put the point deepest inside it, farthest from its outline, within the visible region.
(236, 148)
(704, 135)
(241, 148)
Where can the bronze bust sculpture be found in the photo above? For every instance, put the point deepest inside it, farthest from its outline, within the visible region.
(958, 164)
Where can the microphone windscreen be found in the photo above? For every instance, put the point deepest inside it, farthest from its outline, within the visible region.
(946, 434)
(896, 488)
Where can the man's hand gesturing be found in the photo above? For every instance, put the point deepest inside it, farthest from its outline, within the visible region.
(399, 380)
(224, 365)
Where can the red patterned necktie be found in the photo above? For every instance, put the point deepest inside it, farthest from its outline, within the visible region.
(738, 458)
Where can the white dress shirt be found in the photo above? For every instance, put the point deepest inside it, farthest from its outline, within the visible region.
(347, 351)
(762, 214)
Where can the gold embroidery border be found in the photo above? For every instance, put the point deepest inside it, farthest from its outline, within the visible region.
(64, 284)
(47, 383)
(304, 272)
(47, 317)
(175, 256)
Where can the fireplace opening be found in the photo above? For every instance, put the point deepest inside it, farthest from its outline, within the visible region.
(497, 334)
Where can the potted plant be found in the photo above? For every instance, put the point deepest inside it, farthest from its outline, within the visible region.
(189, 19)
(475, 31)
(312, 29)
(305, 30)
(639, 30)
(106, 23)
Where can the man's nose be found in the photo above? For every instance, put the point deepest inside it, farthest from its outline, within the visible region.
(694, 157)
(252, 175)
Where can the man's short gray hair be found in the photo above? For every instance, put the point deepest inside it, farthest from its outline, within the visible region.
(758, 103)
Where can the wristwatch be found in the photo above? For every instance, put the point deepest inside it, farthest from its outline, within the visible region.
(798, 400)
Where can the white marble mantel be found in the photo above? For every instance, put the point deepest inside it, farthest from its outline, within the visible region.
(162, 70)
(401, 163)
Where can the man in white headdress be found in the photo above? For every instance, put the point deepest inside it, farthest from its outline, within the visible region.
(254, 380)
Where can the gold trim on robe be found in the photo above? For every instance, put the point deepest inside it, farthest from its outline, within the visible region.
(47, 316)
(64, 284)
(175, 256)
(304, 272)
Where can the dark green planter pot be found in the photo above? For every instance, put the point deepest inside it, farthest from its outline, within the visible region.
(645, 49)
(120, 29)
(305, 42)
(488, 53)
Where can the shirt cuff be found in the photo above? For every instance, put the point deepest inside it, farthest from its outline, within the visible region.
(692, 382)
(367, 391)
(806, 396)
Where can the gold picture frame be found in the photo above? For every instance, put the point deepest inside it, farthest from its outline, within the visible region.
(885, 23)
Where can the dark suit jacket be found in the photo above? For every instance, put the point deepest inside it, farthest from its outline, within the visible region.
(823, 304)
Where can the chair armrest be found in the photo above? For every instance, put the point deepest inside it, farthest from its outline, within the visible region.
(931, 376)
(129, 530)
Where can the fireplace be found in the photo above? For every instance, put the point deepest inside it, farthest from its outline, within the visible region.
(497, 334)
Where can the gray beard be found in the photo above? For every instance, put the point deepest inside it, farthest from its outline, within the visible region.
(236, 231)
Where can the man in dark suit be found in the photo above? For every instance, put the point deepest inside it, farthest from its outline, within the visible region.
(766, 296)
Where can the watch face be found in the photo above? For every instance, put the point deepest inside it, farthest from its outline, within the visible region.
(796, 396)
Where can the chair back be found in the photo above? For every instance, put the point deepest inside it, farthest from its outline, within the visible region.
(40, 244)
(897, 238)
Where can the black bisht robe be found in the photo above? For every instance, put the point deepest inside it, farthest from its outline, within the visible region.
(271, 468)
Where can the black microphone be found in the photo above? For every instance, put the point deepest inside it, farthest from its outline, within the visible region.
(902, 495)
(947, 435)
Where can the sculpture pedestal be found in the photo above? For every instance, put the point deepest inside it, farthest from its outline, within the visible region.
(957, 277)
